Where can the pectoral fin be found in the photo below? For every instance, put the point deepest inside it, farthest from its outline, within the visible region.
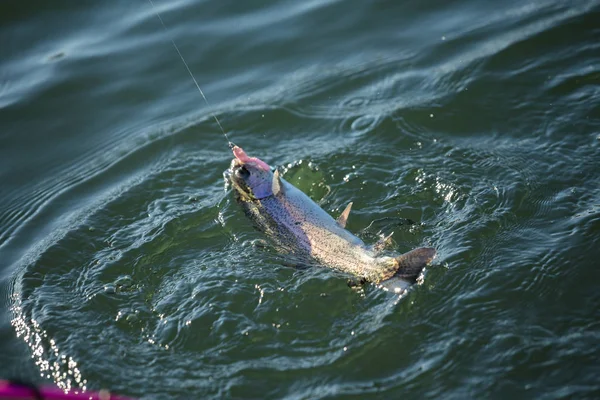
(343, 218)
(276, 186)
(409, 265)
(383, 243)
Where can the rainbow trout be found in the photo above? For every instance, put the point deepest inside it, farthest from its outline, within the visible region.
(299, 226)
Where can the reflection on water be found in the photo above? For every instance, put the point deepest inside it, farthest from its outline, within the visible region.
(63, 368)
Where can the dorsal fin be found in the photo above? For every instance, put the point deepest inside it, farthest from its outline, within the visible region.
(276, 186)
(343, 218)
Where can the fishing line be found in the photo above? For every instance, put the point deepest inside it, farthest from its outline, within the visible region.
(231, 145)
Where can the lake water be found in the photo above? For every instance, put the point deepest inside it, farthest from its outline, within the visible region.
(470, 126)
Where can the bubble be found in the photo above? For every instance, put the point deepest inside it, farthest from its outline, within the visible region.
(350, 176)
(132, 318)
(123, 282)
(110, 288)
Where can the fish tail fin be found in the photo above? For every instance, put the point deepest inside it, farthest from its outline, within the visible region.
(409, 265)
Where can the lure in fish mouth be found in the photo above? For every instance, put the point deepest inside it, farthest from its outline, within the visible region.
(299, 226)
(251, 177)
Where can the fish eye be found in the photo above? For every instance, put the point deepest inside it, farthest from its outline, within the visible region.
(242, 173)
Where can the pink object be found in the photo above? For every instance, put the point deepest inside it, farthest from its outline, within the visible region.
(243, 158)
(17, 390)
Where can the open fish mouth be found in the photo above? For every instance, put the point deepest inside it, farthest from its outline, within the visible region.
(235, 175)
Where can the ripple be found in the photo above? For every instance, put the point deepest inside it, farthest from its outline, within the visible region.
(364, 123)
(355, 102)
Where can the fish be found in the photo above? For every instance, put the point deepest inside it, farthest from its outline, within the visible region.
(300, 227)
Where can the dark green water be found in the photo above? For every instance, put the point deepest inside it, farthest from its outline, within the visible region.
(126, 264)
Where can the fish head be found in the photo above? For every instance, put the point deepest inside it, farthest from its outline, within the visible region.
(251, 177)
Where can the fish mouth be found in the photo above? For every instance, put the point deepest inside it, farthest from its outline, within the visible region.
(240, 186)
(239, 172)
(235, 164)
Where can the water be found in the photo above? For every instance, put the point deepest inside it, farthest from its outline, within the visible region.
(471, 126)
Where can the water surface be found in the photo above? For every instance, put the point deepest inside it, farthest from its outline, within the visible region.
(470, 126)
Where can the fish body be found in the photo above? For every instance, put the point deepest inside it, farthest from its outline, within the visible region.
(300, 227)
